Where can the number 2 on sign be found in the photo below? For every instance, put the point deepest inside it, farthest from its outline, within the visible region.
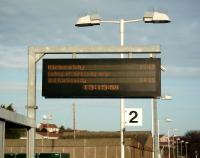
(133, 116)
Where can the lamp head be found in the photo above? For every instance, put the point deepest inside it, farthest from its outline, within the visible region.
(166, 97)
(88, 20)
(168, 119)
(156, 17)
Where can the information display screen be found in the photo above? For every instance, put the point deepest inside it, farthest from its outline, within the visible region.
(101, 78)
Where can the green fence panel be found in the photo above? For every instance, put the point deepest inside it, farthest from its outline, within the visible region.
(65, 155)
(38, 155)
(11, 155)
(49, 155)
(21, 155)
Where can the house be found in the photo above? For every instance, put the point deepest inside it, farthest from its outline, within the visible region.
(163, 139)
(51, 128)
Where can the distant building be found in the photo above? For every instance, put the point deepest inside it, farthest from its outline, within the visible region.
(49, 127)
(47, 131)
(164, 148)
(163, 139)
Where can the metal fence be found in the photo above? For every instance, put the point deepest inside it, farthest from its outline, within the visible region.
(38, 155)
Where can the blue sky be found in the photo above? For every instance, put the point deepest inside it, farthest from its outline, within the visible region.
(27, 23)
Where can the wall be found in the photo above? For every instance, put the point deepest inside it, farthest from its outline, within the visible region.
(84, 148)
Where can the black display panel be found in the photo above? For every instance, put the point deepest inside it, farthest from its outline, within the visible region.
(101, 78)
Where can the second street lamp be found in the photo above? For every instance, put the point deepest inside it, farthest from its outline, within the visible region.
(149, 17)
(155, 133)
(168, 120)
(186, 150)
(182, 141)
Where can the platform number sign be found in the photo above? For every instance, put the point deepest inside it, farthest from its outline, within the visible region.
(133, 116)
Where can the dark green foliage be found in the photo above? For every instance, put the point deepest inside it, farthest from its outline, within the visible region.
(15, 133)
(193, 137)
(9, 107)
(62, 128)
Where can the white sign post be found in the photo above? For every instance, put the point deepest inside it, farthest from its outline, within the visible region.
(133, 116)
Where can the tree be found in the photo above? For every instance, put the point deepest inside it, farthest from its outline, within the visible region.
(15, 133)
(61, 128)
(12, 133)
(193, 137)
(3, 106)
(9, 107)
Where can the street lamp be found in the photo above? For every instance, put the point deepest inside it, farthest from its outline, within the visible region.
(168, 120)
(173, 143)
(182, 148)
(177, 146)
(154, 131)
(166, 97)
(149, 17)
(186, 143)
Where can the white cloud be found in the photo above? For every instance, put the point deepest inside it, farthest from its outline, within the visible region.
(35, 22)
(184, 72)
(13, 57)
(17, 87)
(7, 87)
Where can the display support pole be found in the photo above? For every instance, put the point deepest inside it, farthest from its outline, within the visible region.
(122, 129)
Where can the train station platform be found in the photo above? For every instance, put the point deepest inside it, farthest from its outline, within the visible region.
(15, 120)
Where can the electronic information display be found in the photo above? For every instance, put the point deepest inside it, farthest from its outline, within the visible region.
(101, 78)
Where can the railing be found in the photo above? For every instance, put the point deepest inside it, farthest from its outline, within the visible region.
(38, 155)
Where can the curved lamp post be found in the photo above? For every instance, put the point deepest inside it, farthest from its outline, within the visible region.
(186, 149)
(177, 150)
(149, 17)
(168, 120)
(156, 141)
(182, 141)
